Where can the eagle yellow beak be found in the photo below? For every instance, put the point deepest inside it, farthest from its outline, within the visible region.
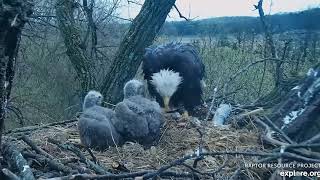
(185, 114)
(166, 100)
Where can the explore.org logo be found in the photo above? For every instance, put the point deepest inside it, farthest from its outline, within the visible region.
(295, 173)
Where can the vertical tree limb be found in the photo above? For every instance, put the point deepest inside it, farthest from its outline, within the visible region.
(92, 28)
(3, 66)
(141, 34)
(72, 40)
(13, 15)
(269, 40)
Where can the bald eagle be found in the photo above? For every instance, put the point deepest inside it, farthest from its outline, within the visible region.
(174, 73)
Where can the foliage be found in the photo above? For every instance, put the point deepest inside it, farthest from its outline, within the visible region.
(46, 88)
(225, 55)
(304, 20)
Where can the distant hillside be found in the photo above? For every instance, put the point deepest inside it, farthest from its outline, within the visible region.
(303, 20)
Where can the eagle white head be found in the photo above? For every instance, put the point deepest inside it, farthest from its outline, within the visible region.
(166, 83)
(133, 88)
(91, 99)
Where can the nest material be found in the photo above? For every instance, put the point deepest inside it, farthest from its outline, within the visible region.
(178, 139)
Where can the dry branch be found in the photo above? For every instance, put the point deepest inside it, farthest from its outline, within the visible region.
(10, 175)
(180, 161)
(53, 164)
(69, 147)
(180, 14)
(270, 42)
(33, 128)
(16, 162)
(315, 138)
(136, 175)
(35, 147)
(212, 103)
(245, 69)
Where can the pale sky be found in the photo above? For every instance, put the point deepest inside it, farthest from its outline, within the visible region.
(217, 8)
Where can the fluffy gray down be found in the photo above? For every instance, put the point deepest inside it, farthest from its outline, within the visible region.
(96, 130)
(139, 119)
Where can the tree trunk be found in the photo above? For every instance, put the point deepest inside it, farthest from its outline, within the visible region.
(75, 48)
(298, 114)
(13, 16)
(3, 65)
(141, 34)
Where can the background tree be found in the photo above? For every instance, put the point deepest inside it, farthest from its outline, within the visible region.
(124, 66)
(74, 44)
(13, 15)
(141, 34)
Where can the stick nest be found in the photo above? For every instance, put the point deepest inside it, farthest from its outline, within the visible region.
(178, 139)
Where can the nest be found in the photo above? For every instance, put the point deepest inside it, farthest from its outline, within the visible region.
(178, 139)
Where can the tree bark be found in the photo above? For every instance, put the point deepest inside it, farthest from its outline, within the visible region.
(13, 15)
(141, 34)
(3, 66)
(17, 162)
(75, 48)
(298, 114)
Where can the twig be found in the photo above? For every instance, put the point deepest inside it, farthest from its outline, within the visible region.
(53, 164)
(32, 128)
(192, 168)
(268, 137)
(268, 159)
(312, 140)
(105, 176)
(122, 176)
(222, 166)
(270, 42)
(275, 127)
(226, 95)
(18, 113)
(212, 103)
(110, 104)
(92, 155)
(97, 168)
(134, 2)
(295, 146)
(246, 68)
(200, 148)
(10, 175)
(236, 174)
(121, 18)
(180, 14)
(183, 159)
(253, 112)
(299, 158)
(35, 147)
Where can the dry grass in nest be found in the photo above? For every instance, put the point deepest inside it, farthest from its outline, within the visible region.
(175, 142)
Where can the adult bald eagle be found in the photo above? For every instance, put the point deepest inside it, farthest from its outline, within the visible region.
(174, 73)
